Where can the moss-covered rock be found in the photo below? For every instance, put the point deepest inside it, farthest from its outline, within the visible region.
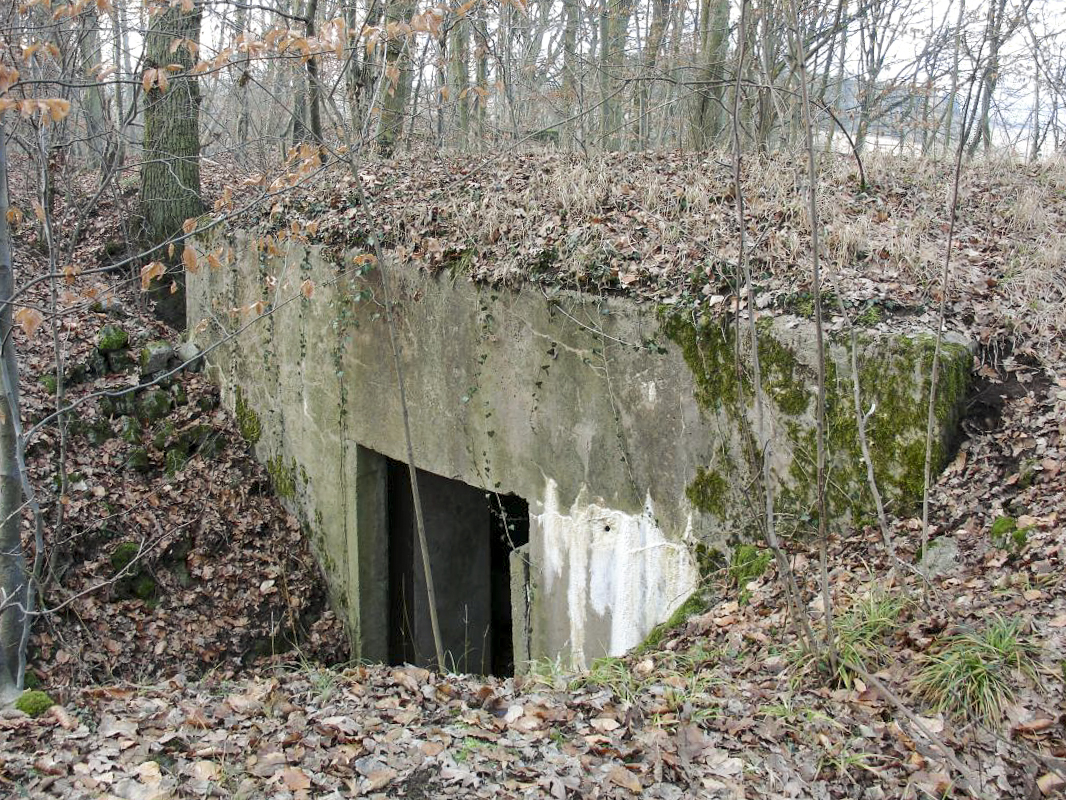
(153, 405)
(119, 361)
(122, 405)
(155, 357)
(97, 431)
(111, 338)
(122, 556)
(138, 460)
(175, 460)
(143, 587)
(162, 436)
(34, 702)
(130, 429)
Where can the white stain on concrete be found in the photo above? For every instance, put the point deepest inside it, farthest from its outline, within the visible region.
(619, 567)
(651, 392)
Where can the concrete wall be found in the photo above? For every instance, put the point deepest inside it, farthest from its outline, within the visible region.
(583, 406)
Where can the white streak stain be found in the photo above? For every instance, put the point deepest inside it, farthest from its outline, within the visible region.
(619, 566)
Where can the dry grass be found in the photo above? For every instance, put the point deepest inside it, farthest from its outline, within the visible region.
(650, 222)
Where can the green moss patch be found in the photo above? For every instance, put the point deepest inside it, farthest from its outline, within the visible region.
(34, 702)
(1006, 535)
(122, 556)
(748, 563)
(248, 422)
(708, 491)
(111, 337)
(894, 379)
(695, 604)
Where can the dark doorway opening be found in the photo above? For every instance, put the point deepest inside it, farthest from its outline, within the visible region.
(471, 535)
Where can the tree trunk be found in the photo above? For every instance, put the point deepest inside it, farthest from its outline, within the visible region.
(397, 80)
(170, 176)
(120, 102)
(460, 55)
(714, 42)
(614, 24)
(481, 56)
(570, 93)
(660, 9)
(96, 128)
(13, 576)
(244, 66)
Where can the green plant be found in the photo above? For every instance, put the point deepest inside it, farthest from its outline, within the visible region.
(612, 674)
(974, 673)
(468, 746)
(843, 762)
(748, 563)
(34, 702)
(1006, 534)
(859, 634)
(547, 672)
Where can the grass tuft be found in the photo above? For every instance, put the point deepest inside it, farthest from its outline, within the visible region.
(974, 674)
(860, 633)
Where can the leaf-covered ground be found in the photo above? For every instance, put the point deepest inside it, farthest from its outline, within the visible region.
(183, 694)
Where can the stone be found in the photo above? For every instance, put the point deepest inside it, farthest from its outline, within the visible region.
(110, 306)
(940, 557)
(189, 355)
(111, 338)
(153, 405)
(121, 405)
(98, 431)
(138, 460)
(162, 436)
(130, 429)
(96, 365)
(119, 361)
(155, 357)
(175, 460)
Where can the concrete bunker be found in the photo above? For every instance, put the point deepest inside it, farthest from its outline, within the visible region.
(621, 424)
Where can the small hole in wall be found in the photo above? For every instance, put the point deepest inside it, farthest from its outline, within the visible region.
(607, 528)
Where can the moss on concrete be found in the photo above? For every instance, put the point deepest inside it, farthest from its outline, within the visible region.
(709, 350)
(708, 491)
(248, 422)
(894, 377)
(283, 476)
(695, 604)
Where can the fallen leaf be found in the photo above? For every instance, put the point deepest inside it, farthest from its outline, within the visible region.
(295, 779)
(620, 776)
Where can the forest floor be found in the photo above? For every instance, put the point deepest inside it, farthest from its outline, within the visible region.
(190, 645)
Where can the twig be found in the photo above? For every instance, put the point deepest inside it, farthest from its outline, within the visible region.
(791, 589)
(970, 780)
